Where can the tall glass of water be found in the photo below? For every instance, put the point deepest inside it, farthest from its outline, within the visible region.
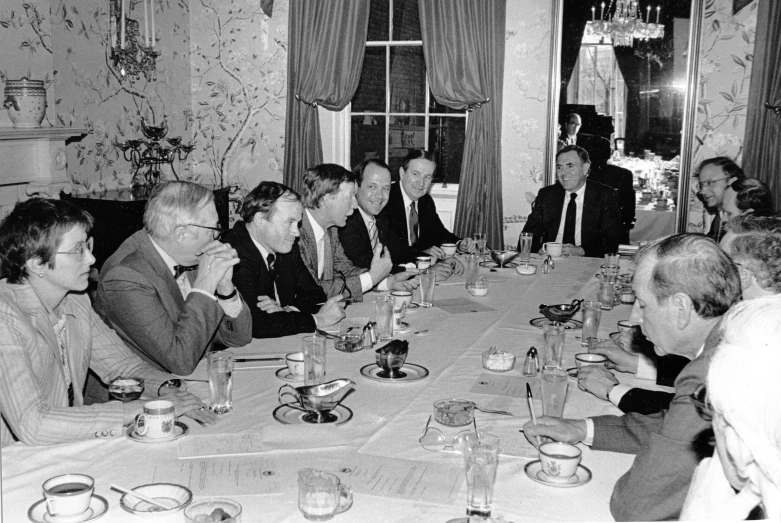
(220, 371)
(554, 391)
(526, 246)
(553, 349)
(471, 268)
(481, 455)
(427, 280)
(592, 312)
(313, 348)
(480, 240)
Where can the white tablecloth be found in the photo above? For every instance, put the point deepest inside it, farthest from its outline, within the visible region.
(388, 418)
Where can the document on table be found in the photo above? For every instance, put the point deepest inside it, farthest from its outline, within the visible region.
(239, 476)
(436, 483)
(221, 445)
(504, 385)
(462, 306)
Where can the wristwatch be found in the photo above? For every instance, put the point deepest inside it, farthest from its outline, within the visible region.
(176, 383)
(226, 296)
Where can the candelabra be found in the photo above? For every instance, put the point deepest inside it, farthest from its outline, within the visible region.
(624, 24)
(130, 56)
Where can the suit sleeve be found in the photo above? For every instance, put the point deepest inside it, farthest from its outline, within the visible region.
(668, 368)
(534, 224)
(609, 226)
(350, 272)
(643, 401)
(236, 332)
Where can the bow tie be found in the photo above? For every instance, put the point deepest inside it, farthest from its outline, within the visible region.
(181, 269)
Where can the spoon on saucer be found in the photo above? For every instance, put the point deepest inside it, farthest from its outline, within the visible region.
(149, 500)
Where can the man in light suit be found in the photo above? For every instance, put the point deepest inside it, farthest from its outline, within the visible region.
(283, 297)
(684, 284)
(167, 290)
(589, 223)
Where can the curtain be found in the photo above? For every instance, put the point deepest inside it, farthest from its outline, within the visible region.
(762, 154)
(635, 73)
(573, 24)
(325, 55)
(463, 45)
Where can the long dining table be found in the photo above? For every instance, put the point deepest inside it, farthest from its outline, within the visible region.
(253, 458)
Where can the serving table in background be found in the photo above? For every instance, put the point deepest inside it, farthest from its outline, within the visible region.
(387, 419)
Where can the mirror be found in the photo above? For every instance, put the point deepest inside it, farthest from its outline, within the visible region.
(641, 97)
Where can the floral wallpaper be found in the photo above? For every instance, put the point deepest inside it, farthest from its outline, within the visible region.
(726, 54)
(525, 108)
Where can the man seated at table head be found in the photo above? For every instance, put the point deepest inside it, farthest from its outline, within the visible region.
(271, 276)
(329, 198)
(747, 195)
(684, 284)
(582, 214)
(745, 470)
(416, 229)
(51, 336)
(168, 289)
(714, 176)
(616, 177)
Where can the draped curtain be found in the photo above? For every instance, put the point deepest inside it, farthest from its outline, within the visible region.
(463, 45)
(762, 154)
(573, 22)
(325, 55)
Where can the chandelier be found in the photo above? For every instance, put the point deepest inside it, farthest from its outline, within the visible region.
(130, 55)
(624, 23)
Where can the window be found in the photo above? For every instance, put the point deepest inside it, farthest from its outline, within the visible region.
(393, 109)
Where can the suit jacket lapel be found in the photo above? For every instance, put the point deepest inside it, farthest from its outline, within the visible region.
(590, 210)
(255, 257)
(308, 246)
(557, 205)
(169, 291)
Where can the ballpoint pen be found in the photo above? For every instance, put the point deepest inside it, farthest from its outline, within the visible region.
(531, 409)
(243, 360)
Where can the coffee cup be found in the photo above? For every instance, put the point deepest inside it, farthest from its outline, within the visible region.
(661, 203)
(295, 364)
(423, 262)
(449, 249)
(400, 297)
(157, 420)
(68, 495)
(559, 461)
(587, 359)
(555, 249)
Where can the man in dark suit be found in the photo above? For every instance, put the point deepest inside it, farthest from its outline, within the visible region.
(616, 177)
(271, 276)
(168, 290)
(684, 284)
(714, 176)
(589, 223)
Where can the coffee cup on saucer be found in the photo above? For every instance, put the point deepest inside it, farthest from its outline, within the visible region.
(449, 249)
(587, 359)
(423, 262)
(295, 364)
(559, 461)
(68, 496)
(400, 297)
(157, 420)
(555, 249)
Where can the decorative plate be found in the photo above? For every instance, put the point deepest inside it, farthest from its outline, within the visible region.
(98, 506)
(287, 415)
(535, 473)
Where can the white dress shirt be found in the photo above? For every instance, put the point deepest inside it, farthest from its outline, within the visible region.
(369, 220)
(578, 214)
(407, 202)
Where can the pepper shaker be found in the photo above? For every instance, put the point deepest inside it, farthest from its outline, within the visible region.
(551, 263)
(532, 365)
(546, 266)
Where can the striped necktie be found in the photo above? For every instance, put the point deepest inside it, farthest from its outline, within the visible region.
(413, 224)
(373, 233)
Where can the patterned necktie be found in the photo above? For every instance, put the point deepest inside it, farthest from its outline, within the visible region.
(715, 227)
(569, 220)
(373, 233)
(413, 224)
(59, 332)
(181, 269)
(270, 259)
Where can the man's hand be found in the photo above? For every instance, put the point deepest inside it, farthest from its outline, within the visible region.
(442, 270)
(711, 497)
(436, 253)
(331, 312)
(467, 245)
(619, 359)
(266, 304)
(215, 268)
(455, 263)
(381, 264)
(403, 281)
(559, 429)
(572, 250)
(597, 380)
(190, 405)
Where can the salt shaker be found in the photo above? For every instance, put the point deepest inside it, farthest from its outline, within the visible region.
(546, 266)
(551, 262)
(532, 365)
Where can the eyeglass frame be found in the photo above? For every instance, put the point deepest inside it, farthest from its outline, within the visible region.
(709, 183)
(701, 402)
(219, 230)
(447, 445)
(349, 298)
(81, 249)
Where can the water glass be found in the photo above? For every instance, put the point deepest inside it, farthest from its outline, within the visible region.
(612, 258)
(383, 307)
(552, 351)
(481, 455)
(471, 268)
(592, 312)
(607, 293)
(554, 391)
(526, 246)
(480, 240)
(321, 495)
(220, 370)
(427, 280)
(313, 348)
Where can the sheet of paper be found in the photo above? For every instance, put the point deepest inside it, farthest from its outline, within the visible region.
(239, 476)
(436, 483)
(504, 385)
(221, 445)
(461, 306)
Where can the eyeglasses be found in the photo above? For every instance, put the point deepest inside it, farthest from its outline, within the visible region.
(433, 439)
(81, 249)
(701, 402)
(709, 183)
(216, 231)
(348, 297)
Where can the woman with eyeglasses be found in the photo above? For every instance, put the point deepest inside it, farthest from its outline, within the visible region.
(50, 336)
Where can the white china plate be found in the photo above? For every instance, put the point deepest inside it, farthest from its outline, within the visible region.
(285, 375)
(98, 506)
(568, 325)
(180, 429)
(287, 415)
(534, 472)
(413, 373)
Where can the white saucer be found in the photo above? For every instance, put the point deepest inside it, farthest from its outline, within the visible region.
(285, 375)
(535, 473)
(180, 429)
(404, 328)
(98, 506)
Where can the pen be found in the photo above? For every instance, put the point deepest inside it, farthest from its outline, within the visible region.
(531, 409)
(243, 360)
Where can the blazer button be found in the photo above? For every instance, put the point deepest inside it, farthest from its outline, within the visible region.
(113, 432)
(230, 325)
(97, 434)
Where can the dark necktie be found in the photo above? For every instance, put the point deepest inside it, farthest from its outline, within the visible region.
(272, 275)
(569, 220)
(715, 227)
(181, 269)
(413, 224)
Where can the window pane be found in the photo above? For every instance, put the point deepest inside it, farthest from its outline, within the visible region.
(408, 80)
(404, 133)
(406, 23)
(370, 96)
(378, 21)
(446, 141)
(367, 138)
(436, 107)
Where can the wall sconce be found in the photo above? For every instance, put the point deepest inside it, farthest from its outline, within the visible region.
(128, 54)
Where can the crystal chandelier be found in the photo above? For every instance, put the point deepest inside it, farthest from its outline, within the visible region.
(624, 23)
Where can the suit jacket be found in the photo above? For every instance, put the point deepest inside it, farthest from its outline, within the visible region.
(138, 297)
(295, 287)
(431, 231)
(619, 179)
(644, 401)
(600, 222)
(354, 237)
(33, 391)
(331, 282)
(669, 445)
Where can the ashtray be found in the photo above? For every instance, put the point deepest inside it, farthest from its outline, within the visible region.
(498, 361)
(526, 269)
(348, 342)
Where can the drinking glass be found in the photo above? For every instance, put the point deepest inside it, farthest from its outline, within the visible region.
(471, 268)
(220, 370)
(552, 352)
(313, 348)
(554, 391)
(126, 389)
(612, 258)
(607, 292)
(592, 312)
(321, 495)
(427, 280)
(383, 306)
(480, 240)
(481, 455)
(526, 246)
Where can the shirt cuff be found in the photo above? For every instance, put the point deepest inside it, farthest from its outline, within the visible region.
(366, 282)
(646, 368)
(589, 439)
(617, 392)
(383, 285)
(201, 291)
(232, 308)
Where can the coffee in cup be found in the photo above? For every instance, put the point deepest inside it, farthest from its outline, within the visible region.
(157, 420)
(555, 249)
(68, 495)
(559, 461)
(449, 249)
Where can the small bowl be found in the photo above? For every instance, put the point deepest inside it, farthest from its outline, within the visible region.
(454, 413)
(526, 269)
(389, 362)
(348, 342)
(502, 257)
(200, 511)
(126, 389)
(499, 361)
(163, 492)
(559, 461)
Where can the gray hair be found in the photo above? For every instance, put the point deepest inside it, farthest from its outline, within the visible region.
(323, 180)
(694, 265)
(760, 254)
(173, 204)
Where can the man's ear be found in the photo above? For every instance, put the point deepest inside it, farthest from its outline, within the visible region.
(746, 278)
(182, 233)
(684, 308)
